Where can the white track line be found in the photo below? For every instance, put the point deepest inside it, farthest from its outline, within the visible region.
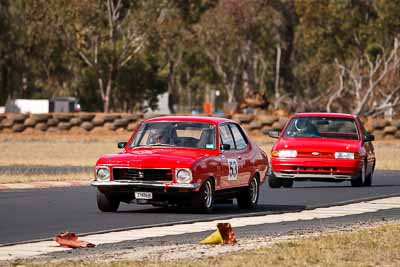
(37, 248)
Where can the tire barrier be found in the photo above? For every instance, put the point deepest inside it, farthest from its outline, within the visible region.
(63, 122)
(53, 122)
(30, 122)
(75, 121)
(41, 126)
(64, 126)
(87, 126)
(17, 128)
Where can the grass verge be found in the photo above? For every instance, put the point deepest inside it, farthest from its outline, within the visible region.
(374, 246)
(21, 178)
(81, 152)
(55, 153)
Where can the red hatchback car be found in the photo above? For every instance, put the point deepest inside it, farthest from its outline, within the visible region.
(182, 161)
(329, 147)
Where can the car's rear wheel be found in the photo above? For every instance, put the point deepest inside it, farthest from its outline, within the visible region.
(368, 177)
(106, 203)
(360, 179)
(249, 197)
(274, 182)
(203, 201)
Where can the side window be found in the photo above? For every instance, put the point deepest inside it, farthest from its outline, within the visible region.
(226, 136)
(240, 140)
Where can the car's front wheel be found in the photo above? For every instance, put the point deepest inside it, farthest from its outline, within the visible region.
(287, 183)
(274, 182)
(106, 203)
(249, 197)
(360, 179)
(368, 177)
(203, 201)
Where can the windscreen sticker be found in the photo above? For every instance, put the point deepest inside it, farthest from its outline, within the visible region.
(210, 146)
(233, 169)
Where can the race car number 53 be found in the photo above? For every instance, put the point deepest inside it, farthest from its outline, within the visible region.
(233, 169)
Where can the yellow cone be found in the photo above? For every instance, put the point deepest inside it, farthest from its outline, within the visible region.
(214, 238)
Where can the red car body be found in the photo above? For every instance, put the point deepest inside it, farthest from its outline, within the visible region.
(339, 155)
(213, 170)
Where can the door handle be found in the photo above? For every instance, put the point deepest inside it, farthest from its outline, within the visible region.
(239, 157)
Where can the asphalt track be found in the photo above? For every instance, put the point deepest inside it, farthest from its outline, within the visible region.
(42, 213)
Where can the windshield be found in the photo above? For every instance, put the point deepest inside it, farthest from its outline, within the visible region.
(328, 127)
(175, 134)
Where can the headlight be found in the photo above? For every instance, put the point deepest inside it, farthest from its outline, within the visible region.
(284, 153)
(344, 155)
(103, 174)
(183, 176)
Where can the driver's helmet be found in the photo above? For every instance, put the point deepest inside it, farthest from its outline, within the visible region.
(302, 124)
(157, 136)
(162, 137)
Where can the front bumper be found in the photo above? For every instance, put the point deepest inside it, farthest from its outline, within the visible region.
(312, 176)
(162, 193)
(137, 184)
(315, 168)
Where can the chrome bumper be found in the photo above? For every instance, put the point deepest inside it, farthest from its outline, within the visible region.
(312, 176)
(144, 184)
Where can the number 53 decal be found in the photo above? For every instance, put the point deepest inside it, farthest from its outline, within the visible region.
(233, 169)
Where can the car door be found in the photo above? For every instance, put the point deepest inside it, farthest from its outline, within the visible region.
(242, 154)
(229, 159)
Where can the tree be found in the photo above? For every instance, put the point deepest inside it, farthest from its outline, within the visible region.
(238, 38)
(173, 33)
(106, 35)
(327, 30)
(369, 86)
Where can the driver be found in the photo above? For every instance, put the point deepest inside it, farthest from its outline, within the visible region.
(161, 137)
(305, 127)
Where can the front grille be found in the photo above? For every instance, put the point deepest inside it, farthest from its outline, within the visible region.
(311, 170)
(321, 169)
(142, 174)
(308, 154)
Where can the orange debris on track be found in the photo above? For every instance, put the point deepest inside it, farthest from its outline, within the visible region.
(71, 240)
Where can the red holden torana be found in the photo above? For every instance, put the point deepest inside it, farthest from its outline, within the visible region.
(182, 161)
(328, 147)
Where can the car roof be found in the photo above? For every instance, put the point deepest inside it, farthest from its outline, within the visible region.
(204, 119)
(325, 114)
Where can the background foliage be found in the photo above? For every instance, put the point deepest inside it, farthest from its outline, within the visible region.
(116, 55)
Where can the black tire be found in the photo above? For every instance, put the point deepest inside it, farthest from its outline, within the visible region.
(106, 204)
(287, 183)
(249, 197)
(274, 182)
(368, 178)
(203, 201)
(360, 179)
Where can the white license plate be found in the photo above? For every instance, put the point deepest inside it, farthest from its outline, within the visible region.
(143, 195)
